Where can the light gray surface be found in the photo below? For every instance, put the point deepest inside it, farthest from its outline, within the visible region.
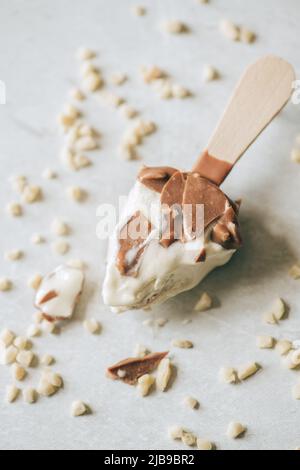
(38, 41)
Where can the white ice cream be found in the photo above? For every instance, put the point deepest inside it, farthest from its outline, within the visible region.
(163, 272)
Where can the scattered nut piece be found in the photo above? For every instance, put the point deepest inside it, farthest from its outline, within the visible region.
(188, 438)
(270, 319)
(49, 174)
(77, 94)
(33, 331)
(235, 430)
(53, 378)
(128, 111)
(14, 255)
(87, 143)
(295, 357)
(248, 371)
(78, 408)
(19, 183)
(92, 81)
(139, 10)
(228, 375)
(46, 389)
(7, 337)
(85, 53)
(47, 360)
(164, 374)
(10, 355)
(12, 393)
(61, 247)
(18, 372)
(289, 361)
(59, 228)
(5, 285)
(21, 343)
(182, 344)
(279, 309)
(283, 347)
(14, 209)
(140, 351)
(161, 322)
(76, 194)
(203, 444)
(32, 194)
(210, 73)
(176, 433)
(230, 30)
(118, 79)
(25, 358)
(144, 384)
(35, 281)
(205, 303)
(247, 36)
(180, 92)
(265, 342)
(295, 272)
(92, 326)
(30, 396)
(191, 402)
(175, 27)
(37, 239)
(151, 74)
(296, 392)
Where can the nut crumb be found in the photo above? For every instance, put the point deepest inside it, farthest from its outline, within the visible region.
(296, 392)
(92, 326)
(25, 358)
(247, 36)
(235, 430)
(283, 347)
(182, 344)
(77, 194)
(22, 343)
(228, 375)
(5, 285)
(189, 439)
(203, 444)
(119, 79)
(30, 396)
(294, 272)
(18, 183)
(205, 303)
(210, 73)
(32, 194)
(79, 408)
(9, 355)
(18, 372)
(248, 371)
(77, 94)
(12, 393)
(141, 351)
(47, 360)
(85, 53)
(61, 247)
(6, 338)
(191, 403)
(176, 433)
(59, 228)
(175, 27)
(33, 331)
(14, 209)
(164, 373)
(139, 10)
(265, 342)
(144, 384)
(35, 281)
(230, 30)
(153, 73)
(49, 174)
(14, 255)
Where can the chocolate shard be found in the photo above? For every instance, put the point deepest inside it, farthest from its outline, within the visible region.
(227, 231)
(131, 369)
(132, 240)
(155, 178)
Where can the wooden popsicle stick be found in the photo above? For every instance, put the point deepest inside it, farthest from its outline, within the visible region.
(263, 91)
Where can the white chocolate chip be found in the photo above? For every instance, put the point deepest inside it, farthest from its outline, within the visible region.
(235, 430)
(78, 408)
(182, 344)
(12, 393)
(92, 326)
(18, 372)
(265, 342)
(32, 194)
(30, 396)
(144, 384)
(7, 337)
(35, 281)
(25, 358)
(283, 347)
(164, 374)
(228, 375)
(191, 402)
(9, 355)
(14, 209)
(248, 371)
(203, 444)
(205, 303)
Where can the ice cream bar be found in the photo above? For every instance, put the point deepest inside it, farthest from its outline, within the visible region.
(178, 226)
